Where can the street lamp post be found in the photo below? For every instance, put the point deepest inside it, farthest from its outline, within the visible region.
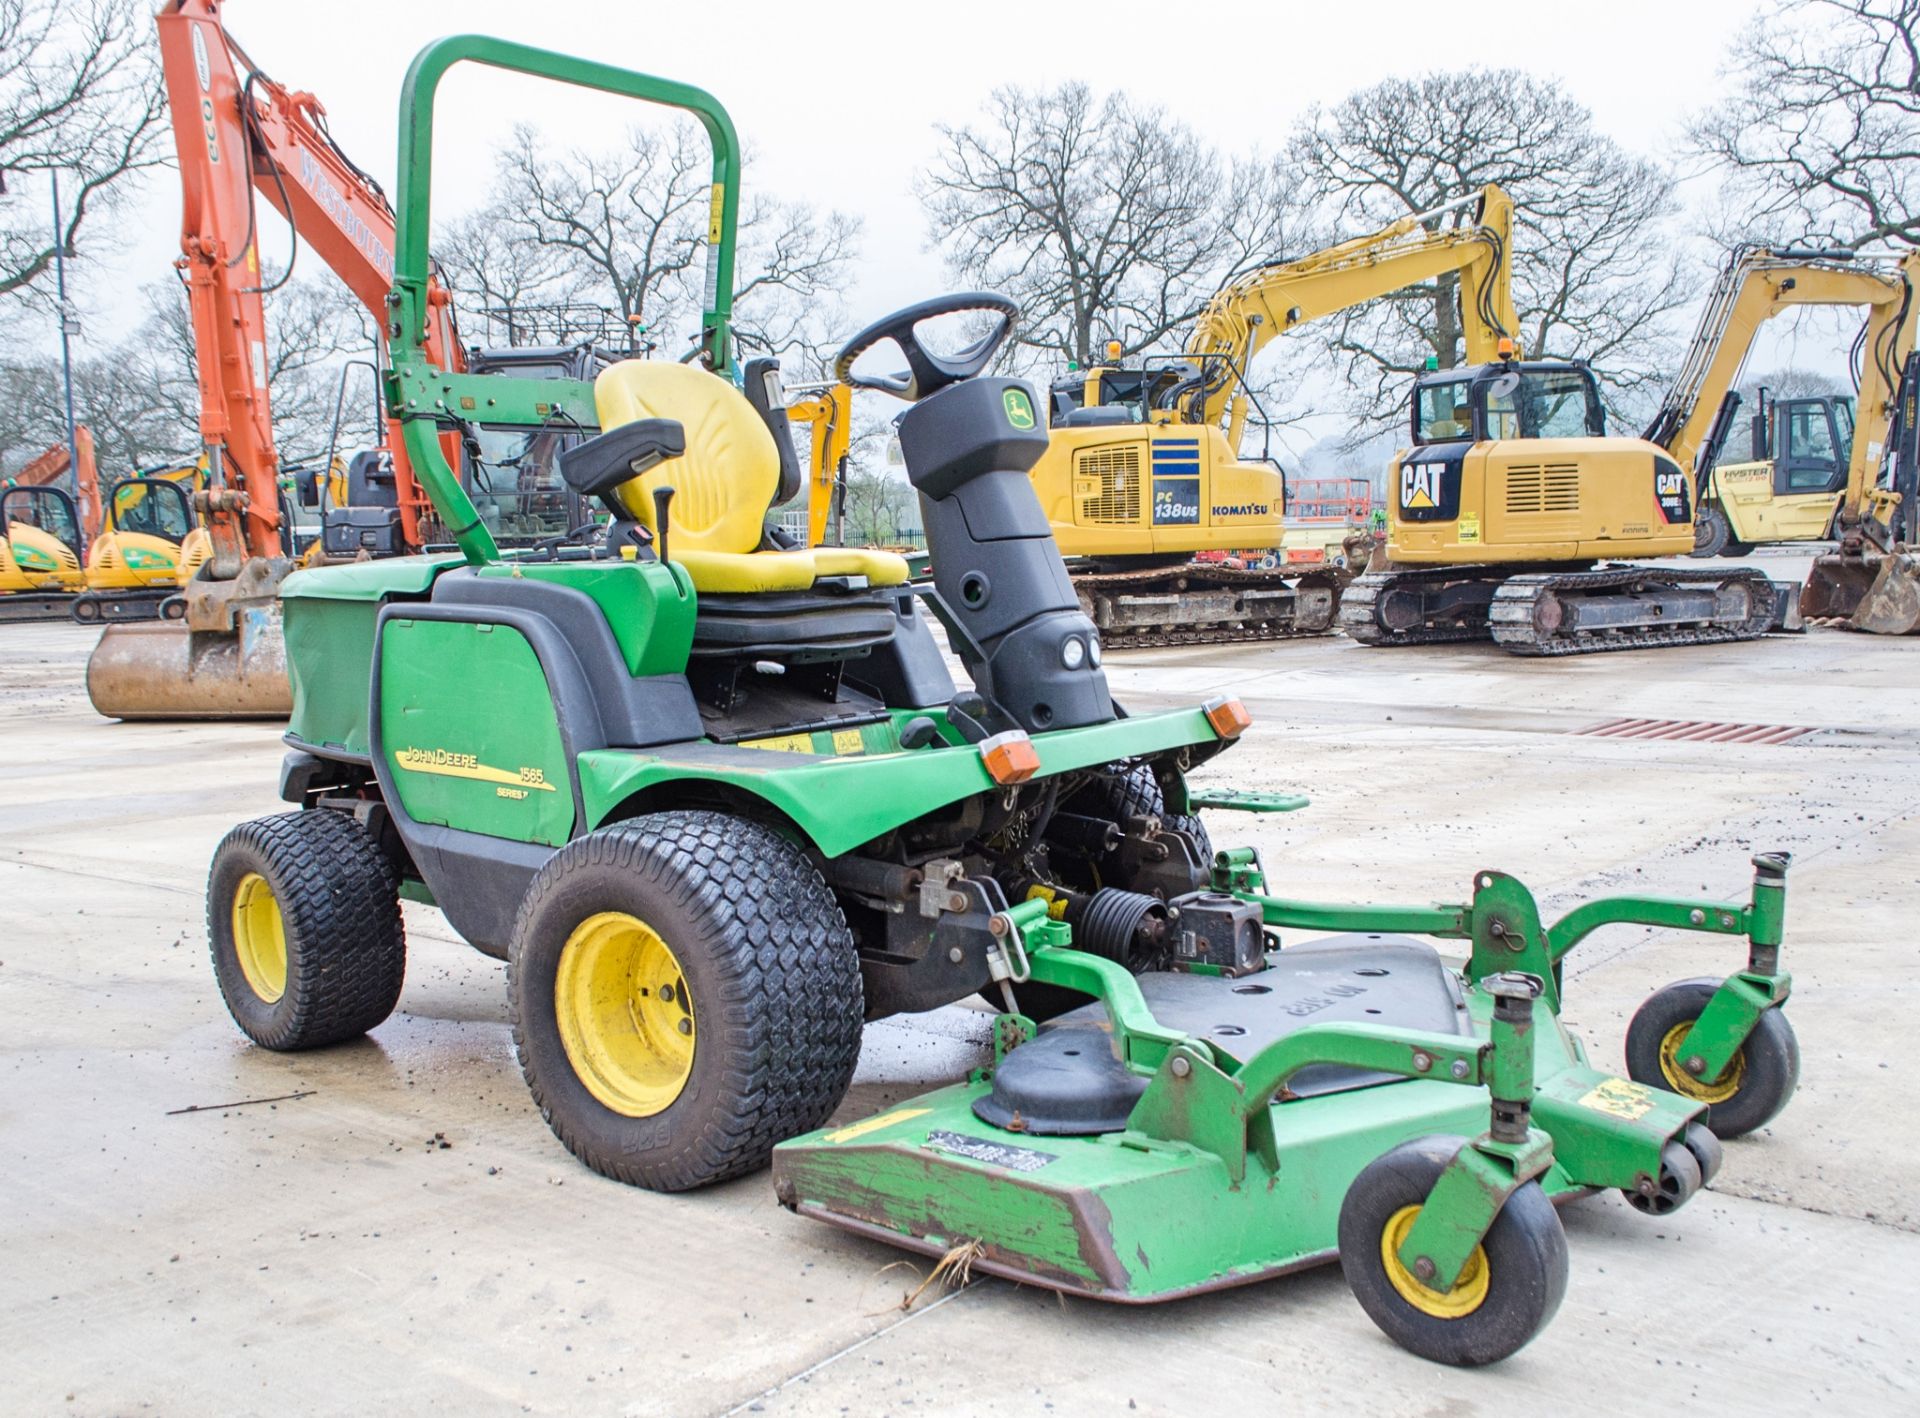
(68, 328)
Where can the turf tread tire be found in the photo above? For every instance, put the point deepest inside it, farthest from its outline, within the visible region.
(339, 900)
(773, 974)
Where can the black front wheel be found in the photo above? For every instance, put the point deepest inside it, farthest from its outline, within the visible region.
(1510, 1288)
(685, 994)
(303, 916)
(1711, 534)
(1748, 1093)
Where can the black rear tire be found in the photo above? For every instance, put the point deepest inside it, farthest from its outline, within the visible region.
(1522, 1262)
(768, 975)
(1711, 534)
(1754, 1087)
(303, 918)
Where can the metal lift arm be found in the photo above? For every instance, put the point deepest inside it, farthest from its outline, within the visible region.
(1267, 302)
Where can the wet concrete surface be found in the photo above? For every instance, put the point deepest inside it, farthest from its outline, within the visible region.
(407, 1235)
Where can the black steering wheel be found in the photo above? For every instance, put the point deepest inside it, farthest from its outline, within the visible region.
(926, 372)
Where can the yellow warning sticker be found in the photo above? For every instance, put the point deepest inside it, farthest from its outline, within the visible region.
(782, 743)
(874, 1124)
(714, 216)
(1620, 1098)
(848, 741)
(1469, 526)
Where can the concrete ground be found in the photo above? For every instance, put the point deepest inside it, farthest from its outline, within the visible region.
(406, 1235)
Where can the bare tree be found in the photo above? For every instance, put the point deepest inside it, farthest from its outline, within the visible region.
(81, 95)
(1593, 270)
(1820, 138)
(626, 231)
(1105, 219)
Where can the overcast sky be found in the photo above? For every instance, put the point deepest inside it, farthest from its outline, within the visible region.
(838, 102)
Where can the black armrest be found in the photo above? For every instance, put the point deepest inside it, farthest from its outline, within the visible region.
(600, 464)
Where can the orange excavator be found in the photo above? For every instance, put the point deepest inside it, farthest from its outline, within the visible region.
(240, 135)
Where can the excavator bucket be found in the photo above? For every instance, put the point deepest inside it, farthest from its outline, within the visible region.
(226, 660)
(1878, 593)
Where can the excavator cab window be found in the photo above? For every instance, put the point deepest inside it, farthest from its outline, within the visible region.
(47, 508)
(1810, 452)
(1442, 410)
(1555, 402)
(151, 507)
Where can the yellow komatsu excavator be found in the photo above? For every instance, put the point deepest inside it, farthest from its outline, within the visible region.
(1143, 469)
(1512, 495)
(150, 545)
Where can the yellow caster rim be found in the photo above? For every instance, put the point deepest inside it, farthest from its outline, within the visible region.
(1467, 1294)
(626, 1021)
(260, 937)
(1699, 1089)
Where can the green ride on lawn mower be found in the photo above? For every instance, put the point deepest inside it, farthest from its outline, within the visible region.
(718, 801)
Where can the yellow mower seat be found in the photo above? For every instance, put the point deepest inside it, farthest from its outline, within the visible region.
(724, 484)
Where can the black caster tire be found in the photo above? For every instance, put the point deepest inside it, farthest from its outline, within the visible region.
(1705, 1147)
(303, 918)
(1679, 1181)
(1755, 1086)
(685, 994)
(1508, 1292)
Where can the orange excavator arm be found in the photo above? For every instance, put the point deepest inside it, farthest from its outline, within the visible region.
(52, 465)
(238, 132)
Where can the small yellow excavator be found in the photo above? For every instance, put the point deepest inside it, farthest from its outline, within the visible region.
(1799, 451)
(40, 553)
(1502, 513)
(1143, 471)
(150, 545)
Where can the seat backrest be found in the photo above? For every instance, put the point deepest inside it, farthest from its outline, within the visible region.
(726, 480)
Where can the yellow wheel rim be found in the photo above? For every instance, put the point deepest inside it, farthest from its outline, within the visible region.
(1699, 1089)
(260, 937)
(1467, 1294)
(625, 1017)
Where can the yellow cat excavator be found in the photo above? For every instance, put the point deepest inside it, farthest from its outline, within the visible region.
(1143, 469)
(1512, 494)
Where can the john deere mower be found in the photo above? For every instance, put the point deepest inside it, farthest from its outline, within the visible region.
(717, 801)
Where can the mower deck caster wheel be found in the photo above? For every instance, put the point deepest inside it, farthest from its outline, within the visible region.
(1705, 1147)
(1749, 1092)
(1679, 1179)
(1510, 1288)
(685, 993)
(303, 917)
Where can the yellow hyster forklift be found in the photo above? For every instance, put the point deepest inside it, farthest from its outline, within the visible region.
(1143, 470)
(1512, 495)
(1799, 450)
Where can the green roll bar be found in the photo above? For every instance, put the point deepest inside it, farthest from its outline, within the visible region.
(424, 398)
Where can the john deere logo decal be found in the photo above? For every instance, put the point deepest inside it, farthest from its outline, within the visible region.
(1019, 408)
(514, 782)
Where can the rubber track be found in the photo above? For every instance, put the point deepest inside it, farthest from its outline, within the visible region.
(791, 1015)
(1513, 603)
(1356, 611)
(1198, 576)
(340, 900)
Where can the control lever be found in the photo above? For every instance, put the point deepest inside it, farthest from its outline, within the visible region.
(662, 513)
